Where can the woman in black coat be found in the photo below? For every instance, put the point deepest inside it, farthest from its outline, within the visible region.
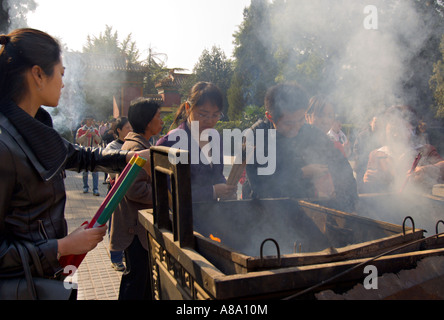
(33, 156)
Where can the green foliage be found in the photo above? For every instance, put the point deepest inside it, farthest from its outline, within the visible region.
(250, 116)
(107, 43)
(255, 67)
(306, 41)
(108, 46)
(157, 70)
(213, 66)
(437, 84)
(185, 88)
(229, 125)
(235, 98)
(167, 119)
(4, 17)
(307, 70)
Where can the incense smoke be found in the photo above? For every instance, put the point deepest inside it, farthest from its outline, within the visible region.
(364, 53)
(17, 11)
(364, 63)
(72, 105)
(368, 55)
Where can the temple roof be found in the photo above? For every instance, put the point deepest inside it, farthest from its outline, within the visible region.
(174, 79)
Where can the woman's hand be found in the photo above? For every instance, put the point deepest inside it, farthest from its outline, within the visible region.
(225, 191)
(81, 240)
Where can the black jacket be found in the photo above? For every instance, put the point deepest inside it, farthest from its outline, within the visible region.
(32, 202)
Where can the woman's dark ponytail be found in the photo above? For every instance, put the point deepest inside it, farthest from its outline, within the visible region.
(20, 51)
(4, 40)
(180, 116)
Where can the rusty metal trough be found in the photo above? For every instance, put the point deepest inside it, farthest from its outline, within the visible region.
(268, 248)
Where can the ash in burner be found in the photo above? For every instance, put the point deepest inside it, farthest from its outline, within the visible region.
(244, 225)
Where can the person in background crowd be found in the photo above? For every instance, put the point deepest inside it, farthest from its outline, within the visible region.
(388, 167)
(370, 138)
(110, 134)
(321, 114)
(338, 137)
(304, 154)
(103, 128)
(75, 129)
(88, 136)
(123, 127)
(127, 234)
(423, 136)
(107, 137)
(203, 107)
(33, 157)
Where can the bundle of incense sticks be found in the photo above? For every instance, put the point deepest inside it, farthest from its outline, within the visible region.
(238, 168)
(236, 173)
(415, 164)
(109, 205)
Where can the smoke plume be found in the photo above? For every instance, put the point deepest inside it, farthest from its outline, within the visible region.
(366, 50)
(14, 12)
(72, 104)
(367, 56)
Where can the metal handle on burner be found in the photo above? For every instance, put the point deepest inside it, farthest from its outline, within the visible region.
(277, 248)
(437, 225)
(403, 224)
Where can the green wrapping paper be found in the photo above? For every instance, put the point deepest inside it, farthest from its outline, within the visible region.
(121, 191)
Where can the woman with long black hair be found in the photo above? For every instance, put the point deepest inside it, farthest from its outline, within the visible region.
(33, 156)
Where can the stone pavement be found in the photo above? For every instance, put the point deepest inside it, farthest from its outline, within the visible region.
(96, 279)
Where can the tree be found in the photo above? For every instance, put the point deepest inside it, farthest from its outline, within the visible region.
(255, 67)
(437, 84)
(213, 66)
(4, 17)
(420, 66)
(325, 46)
(108, 43)
(157, 70)
(107, 50)
(235, 97)
(13, 14)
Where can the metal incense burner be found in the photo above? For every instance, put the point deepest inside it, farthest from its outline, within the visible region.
(269, 248)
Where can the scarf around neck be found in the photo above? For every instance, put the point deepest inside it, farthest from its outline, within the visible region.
(46, 144)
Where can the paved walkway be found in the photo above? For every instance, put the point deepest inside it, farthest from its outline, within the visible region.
(96, 279)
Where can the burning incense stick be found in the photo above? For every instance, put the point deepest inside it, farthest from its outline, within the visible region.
(238, 168)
